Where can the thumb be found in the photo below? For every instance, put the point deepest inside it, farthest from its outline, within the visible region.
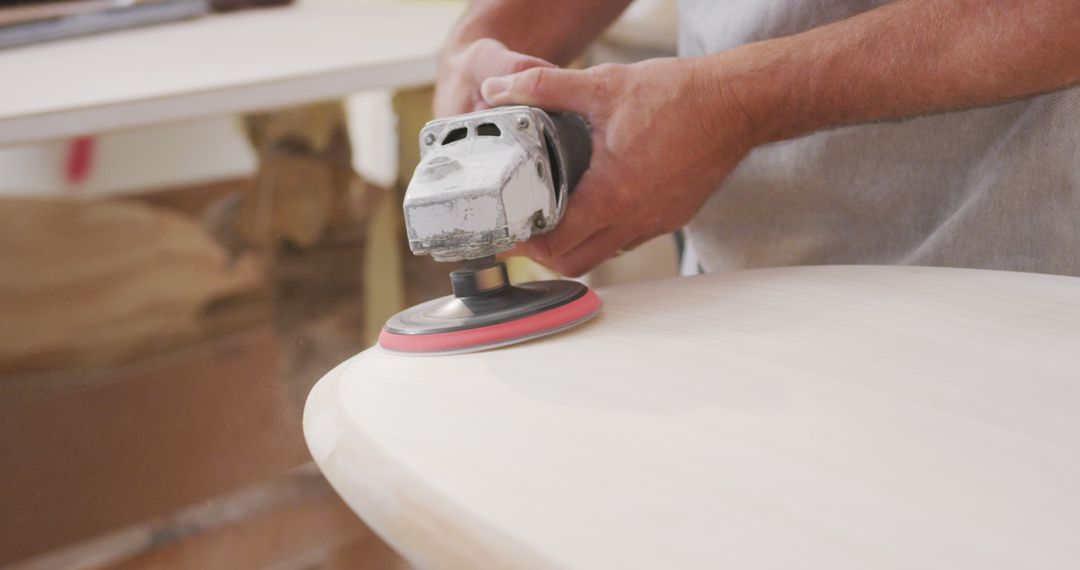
(548, 88)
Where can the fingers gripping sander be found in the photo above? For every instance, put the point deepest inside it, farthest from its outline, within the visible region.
(487, 181)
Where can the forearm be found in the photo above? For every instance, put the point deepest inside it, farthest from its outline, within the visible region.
(910, 57)
(555, 30)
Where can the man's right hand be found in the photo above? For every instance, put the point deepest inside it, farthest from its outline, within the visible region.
(461, 71)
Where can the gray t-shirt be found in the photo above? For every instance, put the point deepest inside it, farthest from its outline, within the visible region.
(996, 188)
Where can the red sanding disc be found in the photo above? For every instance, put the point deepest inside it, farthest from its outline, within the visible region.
(536, 325)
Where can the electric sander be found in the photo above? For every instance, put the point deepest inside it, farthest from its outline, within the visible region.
(487, 181)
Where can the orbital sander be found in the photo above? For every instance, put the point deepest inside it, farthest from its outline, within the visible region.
(487, 181)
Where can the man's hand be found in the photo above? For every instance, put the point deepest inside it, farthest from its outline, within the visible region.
(461, 73)
(554, 31)
(665, 134)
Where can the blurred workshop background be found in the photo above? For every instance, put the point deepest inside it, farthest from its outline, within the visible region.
(169, 294)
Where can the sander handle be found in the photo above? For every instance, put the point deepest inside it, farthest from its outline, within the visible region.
(574, 148)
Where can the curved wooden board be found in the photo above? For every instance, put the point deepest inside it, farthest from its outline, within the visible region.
(820, 417)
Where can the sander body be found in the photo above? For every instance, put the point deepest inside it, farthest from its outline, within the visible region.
(487, 181)
(491, 179)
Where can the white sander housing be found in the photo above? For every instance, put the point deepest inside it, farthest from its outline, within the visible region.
(490, 179)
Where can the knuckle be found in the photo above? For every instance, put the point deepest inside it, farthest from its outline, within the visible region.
(534, 80)
(487, 45)
(605, 76)
(470, 53)
(522, 63)
(605, 70)
(480, 49)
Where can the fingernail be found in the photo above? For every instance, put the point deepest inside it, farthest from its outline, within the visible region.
(494, 88)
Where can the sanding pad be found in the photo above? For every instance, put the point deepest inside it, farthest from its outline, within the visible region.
(487, 312)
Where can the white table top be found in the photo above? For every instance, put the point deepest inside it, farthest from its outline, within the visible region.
(224, 63)
(823, 417)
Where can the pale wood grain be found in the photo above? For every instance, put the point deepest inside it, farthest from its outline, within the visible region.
(245, 61)
(823, 417)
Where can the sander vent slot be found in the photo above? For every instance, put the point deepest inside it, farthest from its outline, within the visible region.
(455, 135)
(488, 130)
(556, 167)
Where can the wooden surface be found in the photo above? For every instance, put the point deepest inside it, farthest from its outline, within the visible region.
(824, 417)
(226, 63)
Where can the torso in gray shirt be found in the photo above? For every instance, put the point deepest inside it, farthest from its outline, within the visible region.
(996, 188)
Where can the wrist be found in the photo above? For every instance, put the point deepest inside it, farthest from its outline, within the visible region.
(712, 90)
(760, 82)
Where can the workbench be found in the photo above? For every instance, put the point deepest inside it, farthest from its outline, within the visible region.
(220, 64)
(806, 417)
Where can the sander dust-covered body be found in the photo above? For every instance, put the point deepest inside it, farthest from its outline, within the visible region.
(487, 181)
